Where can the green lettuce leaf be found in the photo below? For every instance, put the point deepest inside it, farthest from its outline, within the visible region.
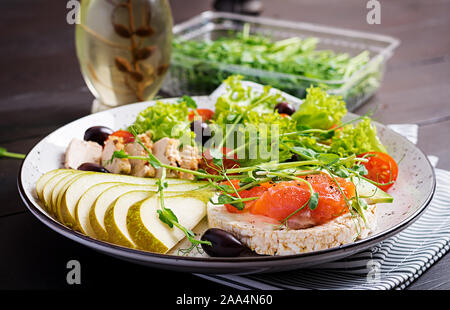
(357, 139)
(163, 120)
(320, 110)
(257, 122)
(238, 97)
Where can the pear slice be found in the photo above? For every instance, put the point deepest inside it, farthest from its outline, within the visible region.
(56, 189)
(116, 217)
(49, 186)
(105, 199)
(149, 233)
(85, 203)
(44, 179)
(57, 204)
(70, 198)
(61, 188)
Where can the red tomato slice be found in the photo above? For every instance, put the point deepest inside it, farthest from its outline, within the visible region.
(126, 135)
(381, 168)
(207, 162)
(206, 114)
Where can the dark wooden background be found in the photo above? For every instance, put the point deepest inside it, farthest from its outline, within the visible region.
(41, 89)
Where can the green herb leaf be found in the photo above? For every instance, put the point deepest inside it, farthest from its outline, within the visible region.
(360, 169)
(119, 154)
(238, 205)
(247, 180)
(313, 201)
(328, 159)
(162, 184)
(226, 199)
(225, 188)
(340, 172)
(305, 152)
(167, 216)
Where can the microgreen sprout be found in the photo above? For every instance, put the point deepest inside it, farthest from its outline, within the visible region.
(4, 153)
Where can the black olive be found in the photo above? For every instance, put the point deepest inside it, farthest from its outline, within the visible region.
(92, 167)
(202, 132)
(223, 244)
(294, 157)
(97, 134)
(285, 108)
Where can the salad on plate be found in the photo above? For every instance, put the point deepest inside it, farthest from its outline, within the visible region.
(257, 175)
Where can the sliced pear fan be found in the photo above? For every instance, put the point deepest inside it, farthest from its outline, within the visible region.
(149, 233)
(102, 206)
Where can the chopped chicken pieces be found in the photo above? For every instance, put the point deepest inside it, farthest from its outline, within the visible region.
(167, 151)
(140, 168)
(189, 159)
(79, 152)
(118, 165)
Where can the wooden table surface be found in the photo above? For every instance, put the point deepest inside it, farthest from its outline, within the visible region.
(41, 89)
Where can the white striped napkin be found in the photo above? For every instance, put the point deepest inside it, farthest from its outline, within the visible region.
(383, 266)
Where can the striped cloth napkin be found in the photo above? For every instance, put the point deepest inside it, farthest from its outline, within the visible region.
(392, 264)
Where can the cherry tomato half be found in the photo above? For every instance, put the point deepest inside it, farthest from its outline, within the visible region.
(126, 135)
(381, 168)
(206, 114)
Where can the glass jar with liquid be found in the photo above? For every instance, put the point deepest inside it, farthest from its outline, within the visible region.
(124, 49)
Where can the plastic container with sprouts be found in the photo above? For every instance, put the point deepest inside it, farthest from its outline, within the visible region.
(195, 76)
